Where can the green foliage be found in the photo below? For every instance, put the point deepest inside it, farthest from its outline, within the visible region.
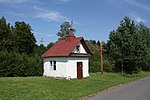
(94, 66)
(108, 65)
(5, 34)
(49, 45)
(64, 30)
(25, 40)
(39, 49)
(17, 55)
(128, 46)
(95, 59)
(18, 38)
(145, 35)
(15, 64)
(98, 43)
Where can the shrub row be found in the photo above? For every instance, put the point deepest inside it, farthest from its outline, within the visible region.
(14, 64)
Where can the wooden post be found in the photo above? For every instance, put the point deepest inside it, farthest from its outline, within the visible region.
(101, 58)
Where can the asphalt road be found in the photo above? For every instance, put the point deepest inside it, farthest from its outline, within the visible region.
(137, 90)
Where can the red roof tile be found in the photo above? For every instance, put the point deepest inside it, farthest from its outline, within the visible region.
(63, 48)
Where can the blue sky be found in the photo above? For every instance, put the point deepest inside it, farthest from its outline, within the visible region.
(93, 19)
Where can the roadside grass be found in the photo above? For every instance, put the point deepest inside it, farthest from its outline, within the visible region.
(41, 88)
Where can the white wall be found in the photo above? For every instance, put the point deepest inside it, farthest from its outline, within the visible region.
(61, 67)
(65, 67)
(72, 66)
(82, 50)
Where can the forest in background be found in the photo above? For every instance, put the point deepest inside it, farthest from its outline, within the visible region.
(127, 49)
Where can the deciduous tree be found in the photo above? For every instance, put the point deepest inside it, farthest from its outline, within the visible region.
(64, 30)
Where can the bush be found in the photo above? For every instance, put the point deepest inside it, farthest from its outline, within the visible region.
(15, 64)
(108, 66)
(94, 66)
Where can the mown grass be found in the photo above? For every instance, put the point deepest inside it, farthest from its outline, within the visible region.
(41, 88)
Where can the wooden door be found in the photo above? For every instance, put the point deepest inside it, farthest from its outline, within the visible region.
(79, 70)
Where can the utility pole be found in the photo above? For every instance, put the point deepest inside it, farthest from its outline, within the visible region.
(101, 58)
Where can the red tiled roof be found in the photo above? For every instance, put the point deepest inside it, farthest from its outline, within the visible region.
(63, 48)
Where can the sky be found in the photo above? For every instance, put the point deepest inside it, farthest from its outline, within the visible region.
(92, 19)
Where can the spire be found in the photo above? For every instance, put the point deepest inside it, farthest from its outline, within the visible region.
(71, 35)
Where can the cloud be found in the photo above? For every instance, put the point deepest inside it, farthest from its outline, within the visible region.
(20, 2)
(49, 15)
(42, 34)
(39, 8)
(64, 0)
(137, 18)
(138, 4)
(13, 1)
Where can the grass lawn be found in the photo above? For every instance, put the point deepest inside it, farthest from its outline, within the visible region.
(41, 88)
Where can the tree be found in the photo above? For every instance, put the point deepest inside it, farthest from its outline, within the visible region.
(93, 41)
(127, 47)
(145, 35)
(39, 49)
(24, 38)
(98, 43)
(49, 45)
(13, 64)
(94, 60)
(5, 34)
(18, 38)
(16, 46)
(64, 30)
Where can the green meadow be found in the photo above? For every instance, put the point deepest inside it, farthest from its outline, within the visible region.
(42, 88)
